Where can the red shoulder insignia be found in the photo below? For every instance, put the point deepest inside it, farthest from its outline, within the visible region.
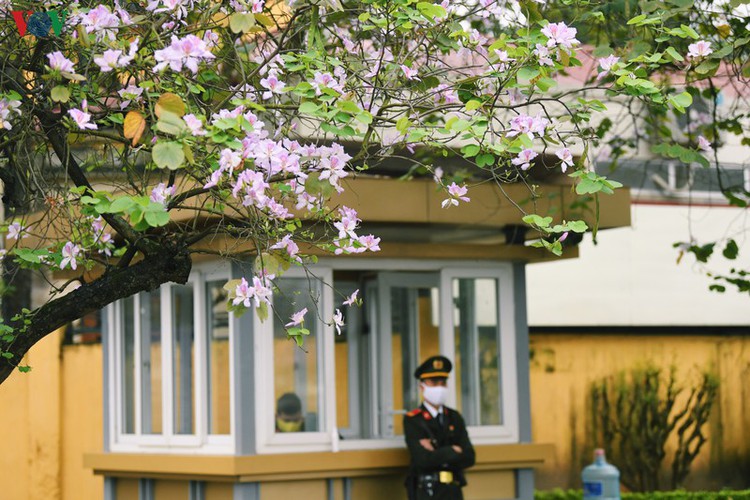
(414, 412)
(426, 415)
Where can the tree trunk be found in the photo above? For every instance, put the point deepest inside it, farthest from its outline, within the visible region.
(169, 265)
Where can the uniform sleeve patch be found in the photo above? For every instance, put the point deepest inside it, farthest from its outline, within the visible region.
(414, 412)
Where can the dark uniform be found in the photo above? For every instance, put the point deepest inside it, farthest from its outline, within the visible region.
(438, 474)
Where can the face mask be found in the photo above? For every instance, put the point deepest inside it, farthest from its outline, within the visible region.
(435, 394)
(288, 426)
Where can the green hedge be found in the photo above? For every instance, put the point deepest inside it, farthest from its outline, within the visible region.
(657, 495)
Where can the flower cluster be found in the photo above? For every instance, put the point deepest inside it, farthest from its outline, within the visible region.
(186, 52)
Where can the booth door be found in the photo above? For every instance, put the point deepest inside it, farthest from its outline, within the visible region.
(406, 321)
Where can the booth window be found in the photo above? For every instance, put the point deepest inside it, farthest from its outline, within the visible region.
(177, 395)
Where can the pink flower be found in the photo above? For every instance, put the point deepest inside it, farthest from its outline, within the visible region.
(369, 242)
(69, 253)
(456, 193)
(297, 318)
(161, 193)
(82, 119)
(606, 64)
(15, 231)
(352, 299)
(566, 157)
(559, 34)
(542, 53)
(411, 74)
(273, 84)
(525, 124)
(348, 222)
(503, 61)
(8, 106)
(101, 21)
(129, 94)
(338, 321)
(524, 158)
(188, 52)
(243, 294)
(701, 48)
(194, 125)
(113, 59)
(58, 62)
(704, 144)
(290, 246)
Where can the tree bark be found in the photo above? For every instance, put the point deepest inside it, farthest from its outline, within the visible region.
(170, 265)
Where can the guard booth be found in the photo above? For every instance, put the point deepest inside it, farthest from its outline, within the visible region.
(190, 390)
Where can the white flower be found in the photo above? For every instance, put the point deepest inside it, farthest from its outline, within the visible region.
(6, 108)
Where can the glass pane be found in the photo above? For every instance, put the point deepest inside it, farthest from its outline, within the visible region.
(296, 386)
(476, 321)
(128, 366)
(415, 336)
(151, 404)
(217, 330)
(348, 367)
(183, 358)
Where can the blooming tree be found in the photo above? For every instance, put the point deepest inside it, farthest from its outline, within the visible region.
(142, 130)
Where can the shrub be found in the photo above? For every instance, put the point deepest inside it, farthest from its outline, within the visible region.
(559, 494)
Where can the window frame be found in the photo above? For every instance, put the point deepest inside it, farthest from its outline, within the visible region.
(168, 441)
(508, 431)
(268, 441)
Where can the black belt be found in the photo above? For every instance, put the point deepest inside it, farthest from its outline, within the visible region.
(440, 477)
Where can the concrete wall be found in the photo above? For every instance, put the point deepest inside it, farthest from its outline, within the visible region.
(564, 365)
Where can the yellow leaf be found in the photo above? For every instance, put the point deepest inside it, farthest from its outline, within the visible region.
(133, 126)
(170, 102)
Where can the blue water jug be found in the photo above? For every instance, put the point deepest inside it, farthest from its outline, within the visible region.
(601, 481)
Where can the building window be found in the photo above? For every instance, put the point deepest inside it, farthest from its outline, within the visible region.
(176, 396)
(410, 313)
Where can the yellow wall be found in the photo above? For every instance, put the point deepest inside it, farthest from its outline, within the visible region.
(564, 365)
(48, 419)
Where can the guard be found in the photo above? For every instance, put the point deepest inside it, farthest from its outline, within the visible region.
(437, 438)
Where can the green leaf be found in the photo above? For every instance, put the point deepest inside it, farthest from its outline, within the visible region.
(157, 219)
(538, 221)
(308, 108)
(168, 155)
(431, 10)
(731, 250)
(60, 94)
(681, 101)
(674, 54)
(470, 150)
(527, 73)
(121, 205)
(578, 226)
(473, 104)
(241, 22)
(170, 123)
(690, 31)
